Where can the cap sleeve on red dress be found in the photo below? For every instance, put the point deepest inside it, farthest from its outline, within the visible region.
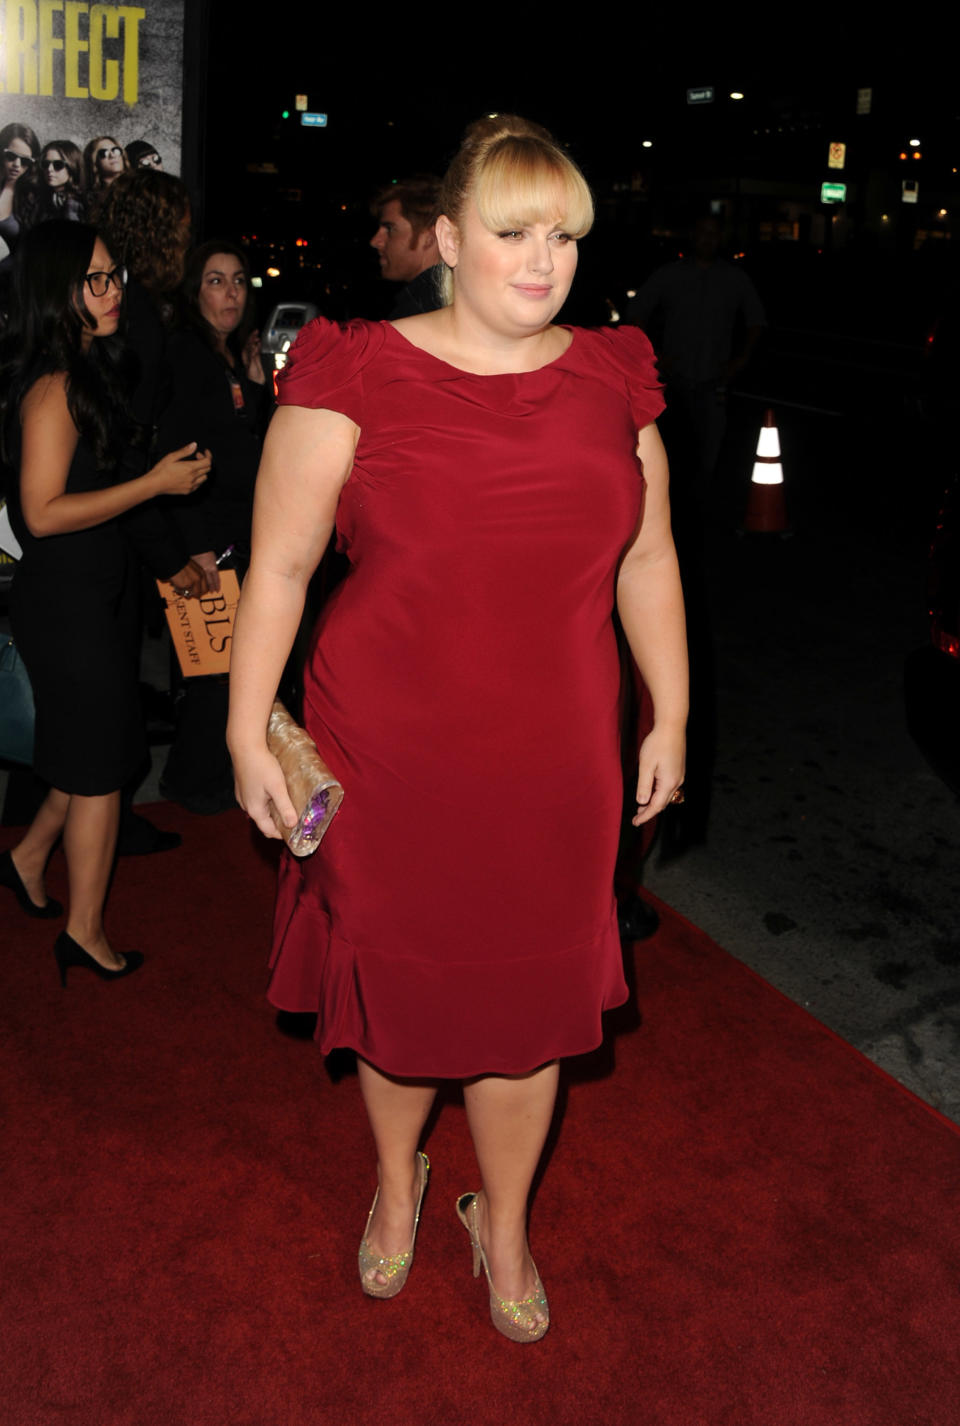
(325, 367)
(629, 352)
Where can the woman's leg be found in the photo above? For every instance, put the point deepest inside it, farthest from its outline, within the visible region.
(30, 856)
(509, 1119)
(89, 843)
(397, 1110)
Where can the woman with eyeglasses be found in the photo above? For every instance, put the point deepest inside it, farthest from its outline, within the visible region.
(57, 189)
(19, 151)
(63, 398)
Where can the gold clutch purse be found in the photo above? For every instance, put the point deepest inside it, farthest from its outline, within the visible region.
(311, 786)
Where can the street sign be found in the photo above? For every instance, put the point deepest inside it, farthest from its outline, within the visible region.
(704, 95)
(833, 192)
(864, 101)
(313, 121)
(300, 103)
(909, 191)
(837, 156)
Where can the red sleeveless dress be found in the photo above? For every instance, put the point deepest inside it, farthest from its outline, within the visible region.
(459, 917)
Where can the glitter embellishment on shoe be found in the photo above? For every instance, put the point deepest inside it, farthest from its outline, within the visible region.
(394, 1269)
(516, 1320)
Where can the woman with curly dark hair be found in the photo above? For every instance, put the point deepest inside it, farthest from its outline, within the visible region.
(56, 191)
(63, 382)
(19, 151)
(145, 217)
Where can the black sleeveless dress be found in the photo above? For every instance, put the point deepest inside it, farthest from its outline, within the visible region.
(73, 615)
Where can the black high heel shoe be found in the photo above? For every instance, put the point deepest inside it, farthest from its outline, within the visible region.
(68, 954)
(10, 878)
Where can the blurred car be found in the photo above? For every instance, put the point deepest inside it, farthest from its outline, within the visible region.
(932, 674)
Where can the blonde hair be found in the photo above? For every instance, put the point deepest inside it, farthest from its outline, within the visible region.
(516, 173)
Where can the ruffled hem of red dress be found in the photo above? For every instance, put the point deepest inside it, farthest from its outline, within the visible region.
(421, 1019)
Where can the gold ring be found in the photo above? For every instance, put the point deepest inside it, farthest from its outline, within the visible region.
(678, 796)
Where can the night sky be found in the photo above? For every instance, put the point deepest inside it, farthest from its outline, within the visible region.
(399, 88)
(398, 100)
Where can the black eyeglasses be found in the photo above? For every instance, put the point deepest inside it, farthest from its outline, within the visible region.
(99, 282)
(57, 164)
(113, 152)
(11, 157)
(150, 160)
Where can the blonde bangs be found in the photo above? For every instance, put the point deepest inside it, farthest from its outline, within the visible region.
(521, 182)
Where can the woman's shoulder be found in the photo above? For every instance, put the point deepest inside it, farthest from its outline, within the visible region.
(45, 421)
(623, 358)
(327, 358)
(344, 344)
(47, 395)
(622, 349)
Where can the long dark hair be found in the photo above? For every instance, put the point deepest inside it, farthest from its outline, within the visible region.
(45, 334)
(190, 294)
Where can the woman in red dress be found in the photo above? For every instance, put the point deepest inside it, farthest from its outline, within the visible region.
(497, 484)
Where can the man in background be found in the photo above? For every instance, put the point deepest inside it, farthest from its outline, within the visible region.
(704, 318)
(406, 244)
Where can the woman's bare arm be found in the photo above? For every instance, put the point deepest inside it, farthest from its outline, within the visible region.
(48, 442)
(650, 604)
(307, 457)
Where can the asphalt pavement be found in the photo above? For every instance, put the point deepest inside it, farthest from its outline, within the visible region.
(830, 858)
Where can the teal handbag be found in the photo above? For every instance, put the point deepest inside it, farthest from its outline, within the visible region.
(16, 705)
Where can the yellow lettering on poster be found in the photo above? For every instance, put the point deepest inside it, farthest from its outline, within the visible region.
(48, 42)
(104, 73)
(74, 48)
(100, 45)
(20, 43)
(131, 16)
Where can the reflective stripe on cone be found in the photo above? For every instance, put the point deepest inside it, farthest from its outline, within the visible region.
(766, 506)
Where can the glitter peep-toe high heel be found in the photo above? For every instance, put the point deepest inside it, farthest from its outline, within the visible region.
(516, 1320)
(394, 1269)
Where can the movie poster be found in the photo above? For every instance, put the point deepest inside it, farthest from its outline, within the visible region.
(79, 72)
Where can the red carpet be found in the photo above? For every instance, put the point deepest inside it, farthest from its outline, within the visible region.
(743, 1224)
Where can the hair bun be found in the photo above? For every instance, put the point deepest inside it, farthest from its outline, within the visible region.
(492, 127)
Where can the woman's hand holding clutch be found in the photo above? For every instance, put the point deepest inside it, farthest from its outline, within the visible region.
(258, 783)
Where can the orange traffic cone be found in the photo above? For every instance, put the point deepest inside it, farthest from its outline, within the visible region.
(766, 507)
